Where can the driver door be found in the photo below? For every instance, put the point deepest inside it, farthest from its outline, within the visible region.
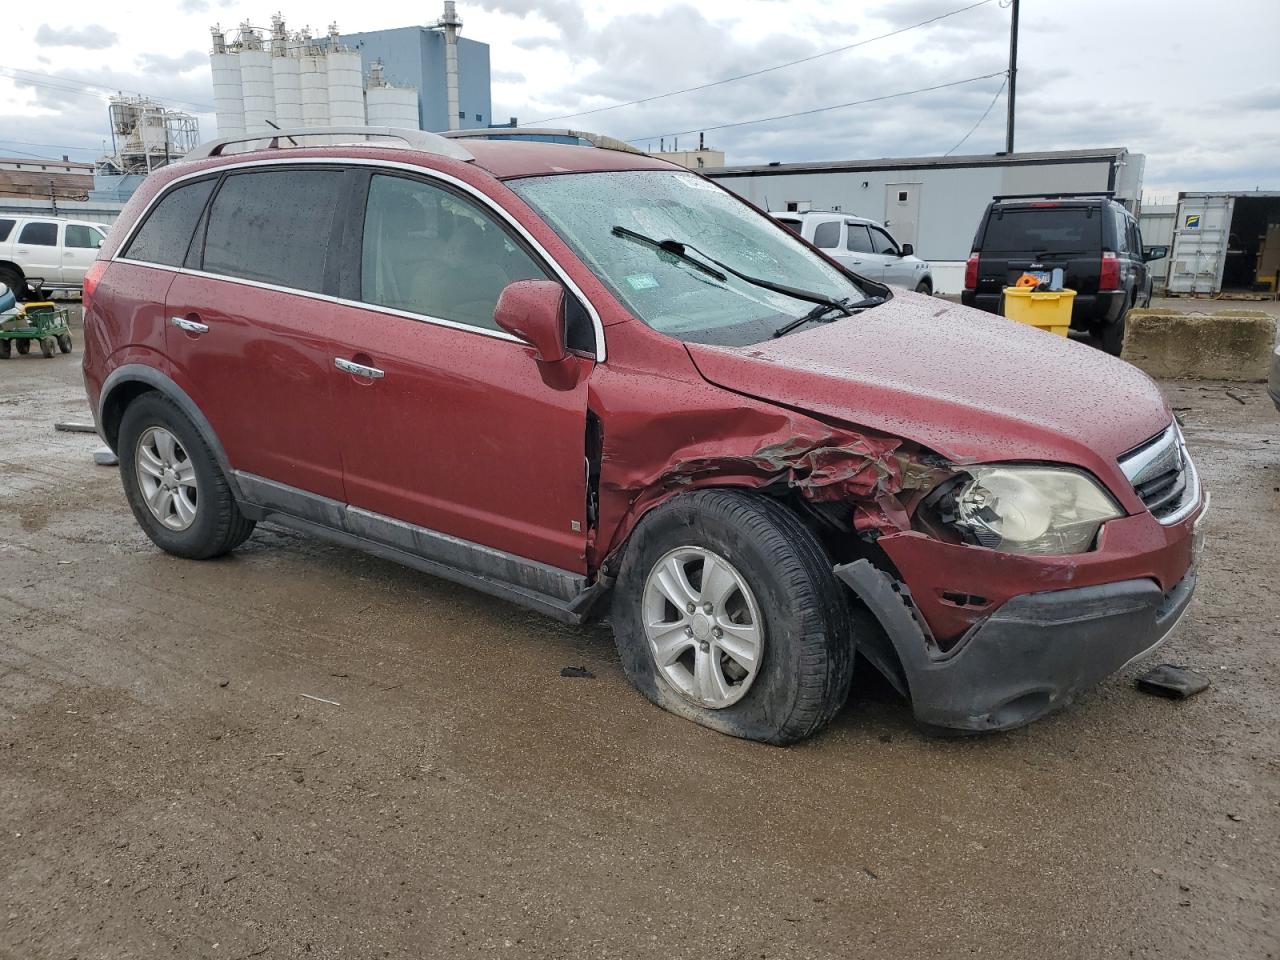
(447, 422)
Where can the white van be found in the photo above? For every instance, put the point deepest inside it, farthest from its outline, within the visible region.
(54, 250)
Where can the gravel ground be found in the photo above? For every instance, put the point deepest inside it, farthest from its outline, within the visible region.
(169, 787)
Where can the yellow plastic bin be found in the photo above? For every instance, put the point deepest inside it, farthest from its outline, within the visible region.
(1049, 309)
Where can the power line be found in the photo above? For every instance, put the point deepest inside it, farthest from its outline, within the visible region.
(88, 87)
(756, 73)
(1003, 84)
(805, 113)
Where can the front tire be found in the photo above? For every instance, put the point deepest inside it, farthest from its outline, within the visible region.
(174, 486)
(925, 287)
(64, 342)
(772, 658)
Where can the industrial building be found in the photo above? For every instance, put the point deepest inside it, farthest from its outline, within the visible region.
(935, 203)
(420, 77)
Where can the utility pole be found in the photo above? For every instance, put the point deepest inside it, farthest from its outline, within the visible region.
(1013, 78)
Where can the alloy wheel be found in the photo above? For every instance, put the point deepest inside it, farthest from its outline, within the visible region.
(167, 478)
(703, 626)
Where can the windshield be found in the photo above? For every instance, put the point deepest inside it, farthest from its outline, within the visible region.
(664, 290)
(1044, 230)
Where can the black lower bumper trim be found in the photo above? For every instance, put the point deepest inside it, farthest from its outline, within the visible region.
(1028, 658)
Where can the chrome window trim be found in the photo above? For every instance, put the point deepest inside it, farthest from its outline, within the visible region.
(1137, 465)
(425, 172)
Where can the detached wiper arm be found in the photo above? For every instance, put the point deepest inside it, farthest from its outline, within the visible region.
(671, 247)
(821, 310)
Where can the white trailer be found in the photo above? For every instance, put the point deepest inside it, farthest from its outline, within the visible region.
(1224, 243)
(934, 203)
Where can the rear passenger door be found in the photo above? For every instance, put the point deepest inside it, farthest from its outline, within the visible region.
(37, 250)
(252, 322)
(455, 428)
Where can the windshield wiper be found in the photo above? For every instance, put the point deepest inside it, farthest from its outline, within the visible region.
(821, 310)
(671, 247)
(678, 249)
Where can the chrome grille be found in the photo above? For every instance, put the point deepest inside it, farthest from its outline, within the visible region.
(1163, 476)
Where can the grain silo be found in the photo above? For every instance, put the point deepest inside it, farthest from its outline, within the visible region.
(346, 89)
(228, 95)
(256, 81)
(286, 69)
(387, 105)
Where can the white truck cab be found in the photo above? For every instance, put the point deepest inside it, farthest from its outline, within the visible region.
(55, 250)
(862, 245)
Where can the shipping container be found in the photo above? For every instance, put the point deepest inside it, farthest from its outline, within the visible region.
(1225, 243)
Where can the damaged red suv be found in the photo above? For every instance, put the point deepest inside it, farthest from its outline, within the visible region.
(594, 383)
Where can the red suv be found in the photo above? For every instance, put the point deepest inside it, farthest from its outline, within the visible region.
(593, 383)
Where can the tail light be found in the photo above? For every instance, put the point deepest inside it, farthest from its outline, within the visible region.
(1109, 275)
(91, 278)
(971, 271)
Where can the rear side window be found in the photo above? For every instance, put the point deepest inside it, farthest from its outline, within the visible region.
(827, 235)
(6, 227)
(79, 235)
(273, 226)
(165, 234)
(1044, 230)
(859, 241)
(39, 234)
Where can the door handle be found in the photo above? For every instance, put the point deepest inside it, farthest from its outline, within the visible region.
(358, 369)
(191, 326)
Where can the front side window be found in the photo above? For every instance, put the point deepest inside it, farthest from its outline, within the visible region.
(429, 251)
(881, 242)
(859, 240)
(666, 291)
(79, 235)
(273, 226)
(165, 234)
(38, 233)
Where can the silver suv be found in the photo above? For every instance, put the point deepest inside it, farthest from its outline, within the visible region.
(862, 245)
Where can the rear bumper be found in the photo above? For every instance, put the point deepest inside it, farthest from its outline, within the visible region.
(1031, 656)
(1088, 308)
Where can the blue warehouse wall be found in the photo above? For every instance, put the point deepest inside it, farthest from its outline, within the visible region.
(414, 56)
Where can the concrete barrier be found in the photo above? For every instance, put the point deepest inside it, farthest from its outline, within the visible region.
(1225, 345)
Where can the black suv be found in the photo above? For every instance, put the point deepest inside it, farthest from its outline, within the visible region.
(1092, 237)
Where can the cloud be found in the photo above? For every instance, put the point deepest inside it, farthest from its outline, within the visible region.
(91, 36)
(158, 63)
(193, 6)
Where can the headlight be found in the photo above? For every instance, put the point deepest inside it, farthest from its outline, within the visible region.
(1028, 510)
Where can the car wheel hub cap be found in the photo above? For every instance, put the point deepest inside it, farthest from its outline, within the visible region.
(703, 626)
(167, 478)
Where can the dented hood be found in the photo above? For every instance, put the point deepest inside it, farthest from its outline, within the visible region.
(970, 385)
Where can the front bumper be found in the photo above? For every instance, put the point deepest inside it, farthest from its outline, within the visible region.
(1030, 656)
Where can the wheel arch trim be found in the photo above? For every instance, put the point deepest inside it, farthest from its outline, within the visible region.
(133, 373)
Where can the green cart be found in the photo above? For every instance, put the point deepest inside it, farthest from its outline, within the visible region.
(44, 323)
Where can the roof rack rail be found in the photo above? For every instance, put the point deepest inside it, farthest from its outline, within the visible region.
(1055, 196)
(412, 140)
(597, 140)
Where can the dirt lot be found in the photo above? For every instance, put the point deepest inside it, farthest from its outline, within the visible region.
(167, 787)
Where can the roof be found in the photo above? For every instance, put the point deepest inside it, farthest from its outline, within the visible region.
(529, 158)
(908, 163)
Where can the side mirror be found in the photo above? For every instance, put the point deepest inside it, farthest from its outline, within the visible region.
(532, 311)
(907, 250)
(1154, 253)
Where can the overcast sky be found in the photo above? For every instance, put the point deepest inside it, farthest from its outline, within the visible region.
(1195, 87)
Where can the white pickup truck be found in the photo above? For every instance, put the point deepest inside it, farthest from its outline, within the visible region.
(55, 250)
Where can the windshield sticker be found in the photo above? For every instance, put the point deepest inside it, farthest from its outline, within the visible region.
(642, 281)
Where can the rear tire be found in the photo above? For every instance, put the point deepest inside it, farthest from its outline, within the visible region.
(215, 525)
(6, 349)
(13, 280)
(47, 346)
(1112, 334)
(804, 660)
(24, 347)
